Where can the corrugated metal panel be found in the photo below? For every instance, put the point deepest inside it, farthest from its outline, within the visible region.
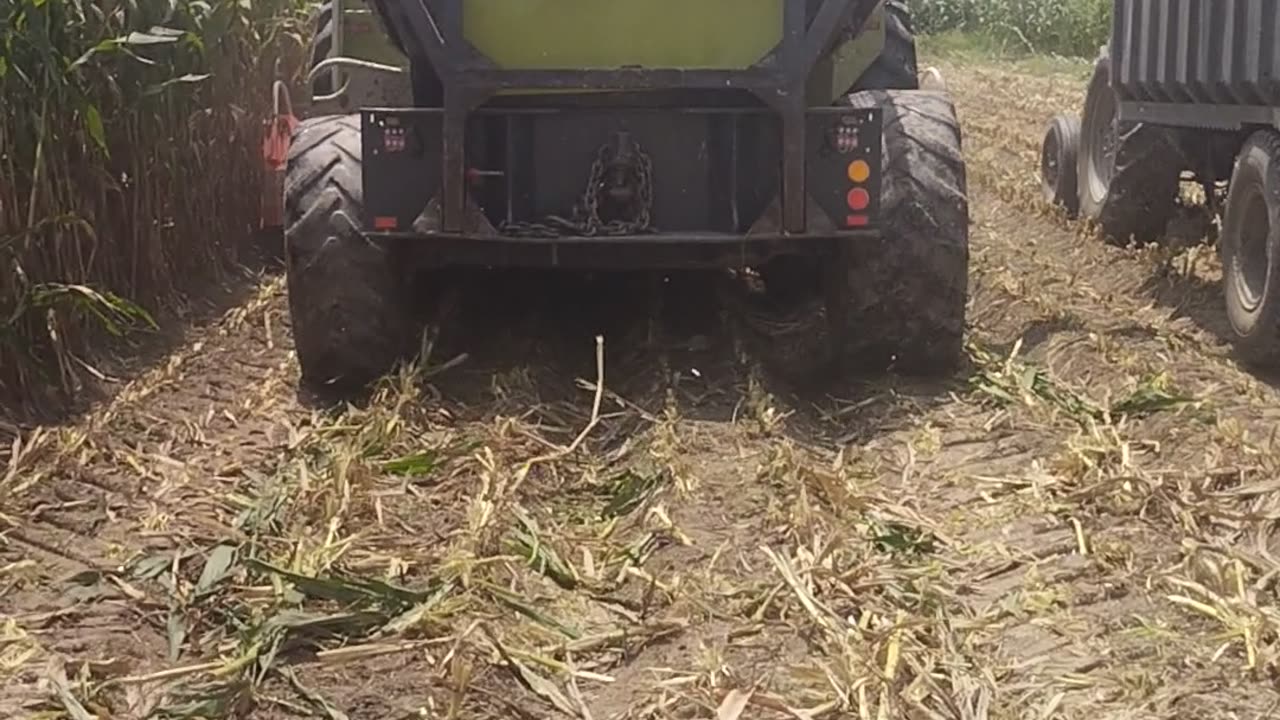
(1204, 51)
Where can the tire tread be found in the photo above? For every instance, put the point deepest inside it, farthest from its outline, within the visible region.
(910, 289)
(350, 323)
(1142, 195)
(1259, 344)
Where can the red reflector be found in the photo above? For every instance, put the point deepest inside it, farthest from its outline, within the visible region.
(857, 221)
(385, 223)
(858, 199)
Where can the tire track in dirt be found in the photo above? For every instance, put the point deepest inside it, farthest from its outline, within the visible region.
(139, 475)
(1088, 314)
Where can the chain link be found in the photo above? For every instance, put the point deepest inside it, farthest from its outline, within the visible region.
(586, 221)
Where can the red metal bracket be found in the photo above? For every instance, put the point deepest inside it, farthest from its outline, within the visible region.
(276, 136)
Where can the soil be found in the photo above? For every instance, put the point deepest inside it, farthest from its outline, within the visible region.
(1081, 524)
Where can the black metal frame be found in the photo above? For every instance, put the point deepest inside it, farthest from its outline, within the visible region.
(1200, 116)
(469, 79)
(660, 251)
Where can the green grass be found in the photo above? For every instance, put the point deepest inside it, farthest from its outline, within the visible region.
(1074, 28)
(963, 47)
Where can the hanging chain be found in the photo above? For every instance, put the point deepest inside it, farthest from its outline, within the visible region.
(586, 221)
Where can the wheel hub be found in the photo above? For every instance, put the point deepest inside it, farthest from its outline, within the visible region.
(1251, 264)
(1049, 169)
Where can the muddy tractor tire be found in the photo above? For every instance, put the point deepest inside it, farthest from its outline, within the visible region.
(1128, 173)
(1059, 162)
(895, 68)
(347, 294)
(322, 45)
(904, 295)
(1250, 247)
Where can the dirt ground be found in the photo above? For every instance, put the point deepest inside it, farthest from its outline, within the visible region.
(1079, 525)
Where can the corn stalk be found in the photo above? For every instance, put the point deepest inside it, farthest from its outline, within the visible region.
(129, 166)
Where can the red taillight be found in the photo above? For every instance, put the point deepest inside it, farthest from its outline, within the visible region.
(858, 199)
(860, 168)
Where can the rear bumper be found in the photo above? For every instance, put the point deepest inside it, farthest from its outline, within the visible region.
(720, 170)
(659, 251)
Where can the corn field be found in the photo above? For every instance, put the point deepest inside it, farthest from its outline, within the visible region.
(129, 166)
(1062, 27)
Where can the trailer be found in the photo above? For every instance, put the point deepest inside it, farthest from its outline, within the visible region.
(1185, 86)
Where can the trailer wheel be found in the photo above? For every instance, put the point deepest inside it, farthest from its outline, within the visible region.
(1250, 247)
(347, 296)
(895, 68)
(1059, 163)
(1129, 174)
(905, 294)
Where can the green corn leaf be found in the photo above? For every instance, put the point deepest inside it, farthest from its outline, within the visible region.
(147, 38)
(187, 79)
(176, 628)
(93, 125)
(416, 464)
(106, 46)
(215, 568)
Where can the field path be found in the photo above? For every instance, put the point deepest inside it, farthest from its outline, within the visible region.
(1081, 525)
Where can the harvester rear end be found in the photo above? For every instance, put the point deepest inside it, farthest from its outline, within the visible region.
(784, 137)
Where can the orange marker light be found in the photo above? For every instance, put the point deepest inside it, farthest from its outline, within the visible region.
(858, 199)
(859, 171)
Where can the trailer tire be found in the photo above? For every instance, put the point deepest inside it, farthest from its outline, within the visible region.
(1131, 190)
(1250, 247)
(895, 68)
(347, 294)
(905, 294)
(1059, 156)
